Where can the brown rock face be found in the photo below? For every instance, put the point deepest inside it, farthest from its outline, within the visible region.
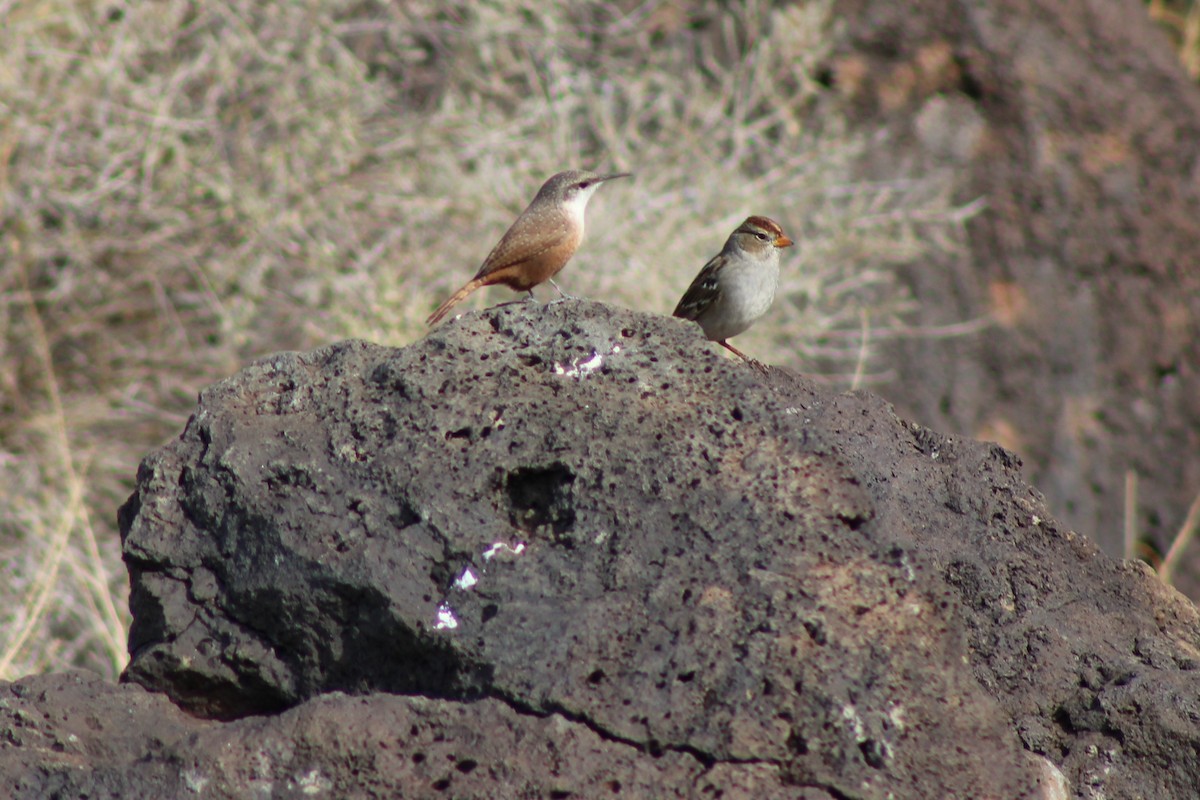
(1077, 126)
(587, 516)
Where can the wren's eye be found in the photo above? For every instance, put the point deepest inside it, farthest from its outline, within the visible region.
(585, 184)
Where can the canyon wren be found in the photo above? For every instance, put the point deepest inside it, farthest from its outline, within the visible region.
(540, 242)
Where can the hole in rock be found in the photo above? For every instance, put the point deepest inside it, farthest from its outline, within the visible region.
(541, 497)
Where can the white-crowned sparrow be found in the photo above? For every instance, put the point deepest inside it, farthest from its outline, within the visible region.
(738, 285)
(540, 242)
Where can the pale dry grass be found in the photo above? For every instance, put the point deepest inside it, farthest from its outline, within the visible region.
(1165, 564)
(1181, 20)
(185, 187)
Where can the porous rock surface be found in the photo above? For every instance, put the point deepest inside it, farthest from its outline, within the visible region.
(585, 554)
(666, 552)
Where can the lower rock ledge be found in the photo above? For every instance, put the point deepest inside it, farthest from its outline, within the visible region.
(77, 735)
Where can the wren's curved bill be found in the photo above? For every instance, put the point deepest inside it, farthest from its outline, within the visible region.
(738, 285)
(540, 242)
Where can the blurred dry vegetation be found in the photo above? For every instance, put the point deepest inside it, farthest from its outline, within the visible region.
(187, 186)
(1181, 21)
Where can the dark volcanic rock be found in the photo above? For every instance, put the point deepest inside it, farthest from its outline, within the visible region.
(582, 514)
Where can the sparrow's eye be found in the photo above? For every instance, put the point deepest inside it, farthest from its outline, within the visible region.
(762, 237)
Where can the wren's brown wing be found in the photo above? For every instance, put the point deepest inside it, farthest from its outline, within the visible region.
(525, 240)
(703, 291)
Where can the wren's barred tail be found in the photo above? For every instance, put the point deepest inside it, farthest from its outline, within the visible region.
(540, 242)
(454, 300)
